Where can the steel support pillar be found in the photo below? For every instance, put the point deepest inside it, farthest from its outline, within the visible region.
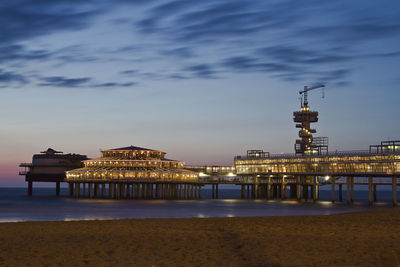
(370, 195)
(394, 190)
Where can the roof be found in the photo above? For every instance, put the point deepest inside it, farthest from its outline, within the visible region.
(132, 148)
(51, 151)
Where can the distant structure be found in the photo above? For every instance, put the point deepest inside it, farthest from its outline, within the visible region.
(50, 166)
(308, 145)
(133, 172)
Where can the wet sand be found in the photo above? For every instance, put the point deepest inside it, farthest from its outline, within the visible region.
(356, 239)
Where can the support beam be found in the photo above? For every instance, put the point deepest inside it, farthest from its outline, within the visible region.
(315, 189)
(352, 189)
(394, 190)
(216, 191)
(58, 189)
(298, 188)
(348, 189)
(103, 190)
(83, 189)
(333, 189)
(269, 191)
(136, 191)
(370, 200)
(283, 196)
(71, 189)
(30, 188)
(90, 190)
(305, 192)
(143, 191)
(77, 190)
(111, 190)
(97, 190)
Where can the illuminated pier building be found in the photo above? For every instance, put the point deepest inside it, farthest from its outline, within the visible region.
(272, 175)
(304, 173)
(134, 172)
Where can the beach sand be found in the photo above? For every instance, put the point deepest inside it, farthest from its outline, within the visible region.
(358, 239)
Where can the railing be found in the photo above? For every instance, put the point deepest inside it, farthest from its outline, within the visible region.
(25, 164)
(329, 154)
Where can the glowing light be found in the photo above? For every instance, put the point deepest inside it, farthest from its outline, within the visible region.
(326, 178)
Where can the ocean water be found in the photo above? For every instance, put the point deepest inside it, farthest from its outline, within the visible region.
(15, 206)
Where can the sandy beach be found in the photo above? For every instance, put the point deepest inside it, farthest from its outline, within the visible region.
(357, 239)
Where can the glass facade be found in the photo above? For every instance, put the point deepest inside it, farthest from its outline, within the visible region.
(342, 164)
(132, 164)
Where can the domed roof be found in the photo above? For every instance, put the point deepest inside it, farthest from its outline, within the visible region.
(132, 148)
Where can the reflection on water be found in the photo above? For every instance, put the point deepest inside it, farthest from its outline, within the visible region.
(16, 206)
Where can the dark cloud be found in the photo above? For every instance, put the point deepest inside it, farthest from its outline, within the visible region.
(115, 84)
(201, 71)
(342, 84)
(251, 64)
(363, 31)
(8, 77)
(291, 54)
(22, 20)
(244, 25)
(59, 81)
(182, 52)
(15, 52)
(176, 77)
(289, 40)
(129, 72)
(73, 53)
(214, 19)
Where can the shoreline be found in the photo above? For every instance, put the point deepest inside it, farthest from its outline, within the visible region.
(365, 238)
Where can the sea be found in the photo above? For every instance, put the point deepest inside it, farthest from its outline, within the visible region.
(16, 206)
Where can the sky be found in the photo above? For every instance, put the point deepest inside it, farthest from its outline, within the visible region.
(202, 80)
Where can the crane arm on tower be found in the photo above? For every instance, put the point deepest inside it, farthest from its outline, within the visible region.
(306, 89)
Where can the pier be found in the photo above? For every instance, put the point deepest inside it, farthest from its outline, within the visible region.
(141, 173)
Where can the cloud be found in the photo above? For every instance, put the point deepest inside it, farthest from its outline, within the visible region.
(251, 64)
(115, 84)
(7, 77)
(59, 81)
(193, 20)
(181, 52)
(22, 20)
(201, 71)
(13, 52)
(199, 39)
(354, 32)
(128, 72)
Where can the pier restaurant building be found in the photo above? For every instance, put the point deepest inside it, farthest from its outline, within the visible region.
(133, 172)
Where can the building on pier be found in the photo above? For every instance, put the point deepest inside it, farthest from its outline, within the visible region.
(50, 166)
(131, 164)
(303, 171)
(133, 167)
